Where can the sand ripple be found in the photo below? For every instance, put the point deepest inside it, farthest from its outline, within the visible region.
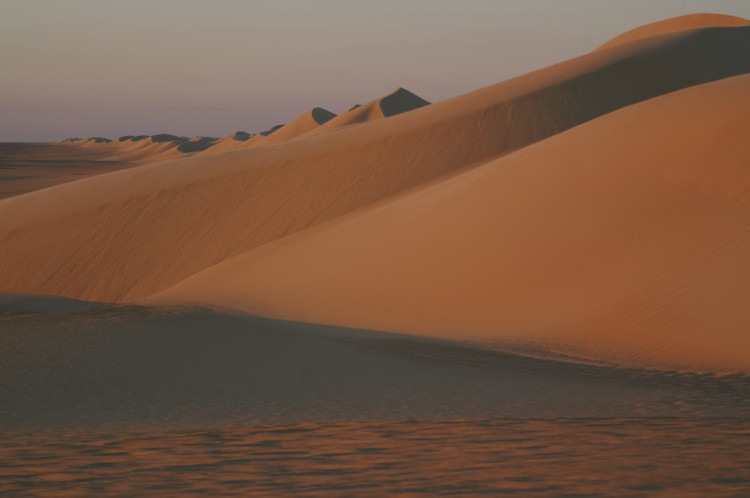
(621, 457)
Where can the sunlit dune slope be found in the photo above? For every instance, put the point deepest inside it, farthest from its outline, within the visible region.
(624, 239)
(690, 21)
(129, 234)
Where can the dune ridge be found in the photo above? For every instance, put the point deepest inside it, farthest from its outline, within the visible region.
(135, 149)
(397, 102)
(188, 214)
(623, 239)
(681, 23)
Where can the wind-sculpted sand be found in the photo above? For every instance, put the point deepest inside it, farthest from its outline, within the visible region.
(118, 367)
(682, 23)
(537, 288)
(536, 458)
(623, 239)
(308, 121)
(185, 215)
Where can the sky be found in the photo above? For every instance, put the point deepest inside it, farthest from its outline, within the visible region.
(80, 68)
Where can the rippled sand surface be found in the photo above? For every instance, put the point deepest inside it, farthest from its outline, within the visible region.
(614, 457)
(169, 402)
(186, 369)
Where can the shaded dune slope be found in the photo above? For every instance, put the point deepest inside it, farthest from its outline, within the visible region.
(147, 367)
(185, 215)
(625, 239)
(690, 21)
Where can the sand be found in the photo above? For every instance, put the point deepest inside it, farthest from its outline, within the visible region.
(564, 254)
(178, 368)
(185, 215)
(232, 141)
(615, 240)
(300, 125)
(531, 458)
(682, 23)
(398, 101)
(592, 209)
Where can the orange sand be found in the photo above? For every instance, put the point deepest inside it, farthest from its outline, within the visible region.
(690, 21)
(615, 239)
(620, 239)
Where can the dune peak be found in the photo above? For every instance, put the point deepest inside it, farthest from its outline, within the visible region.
(399, 101)
(321, 115)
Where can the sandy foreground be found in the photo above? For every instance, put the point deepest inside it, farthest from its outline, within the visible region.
(67, 366)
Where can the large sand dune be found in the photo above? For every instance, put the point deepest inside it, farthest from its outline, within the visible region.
(132, 233)
(624, 239)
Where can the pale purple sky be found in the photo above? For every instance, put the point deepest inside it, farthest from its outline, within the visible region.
(196, 67)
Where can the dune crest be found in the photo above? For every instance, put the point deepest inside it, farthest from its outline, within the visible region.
(624, 239)
(690, 21)
(397, 102)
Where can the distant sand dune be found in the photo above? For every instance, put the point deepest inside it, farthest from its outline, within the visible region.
(132, 233)
(143, 149)
(397, 102)
(625, 239)
(310, 120)
(231, 142)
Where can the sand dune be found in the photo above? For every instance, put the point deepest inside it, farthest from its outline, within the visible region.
(185, 215)
(682, 23)
(133, 149)
(145, 149)
(624, 239)
(397, 102)
(86, 141)
(231, 142)
(310, 120)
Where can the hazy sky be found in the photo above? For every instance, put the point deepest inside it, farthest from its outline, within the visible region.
(190, 67)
